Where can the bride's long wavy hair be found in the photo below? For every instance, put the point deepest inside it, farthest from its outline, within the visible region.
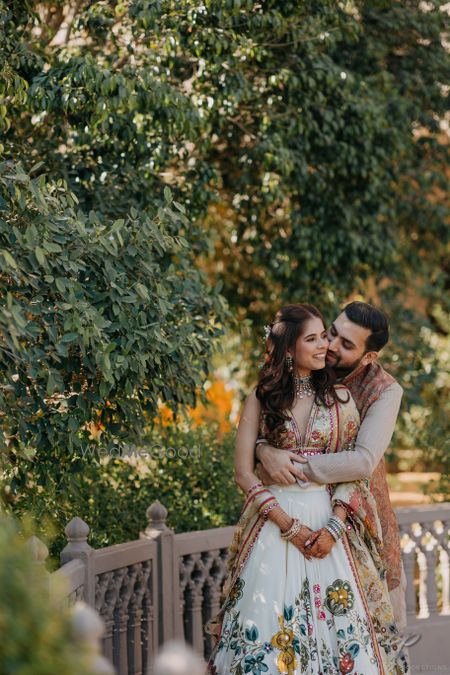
(275, 388)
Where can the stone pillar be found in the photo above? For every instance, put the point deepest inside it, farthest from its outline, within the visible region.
(77, 532)
(158, 531)
(39, 554)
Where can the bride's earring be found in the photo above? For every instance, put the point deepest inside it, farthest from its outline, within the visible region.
(290, 363)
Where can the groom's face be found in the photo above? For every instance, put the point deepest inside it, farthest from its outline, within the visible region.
(347, 348)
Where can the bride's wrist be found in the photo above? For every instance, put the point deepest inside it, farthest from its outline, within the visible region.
(286, 525)
(340, 512)
(282, 519)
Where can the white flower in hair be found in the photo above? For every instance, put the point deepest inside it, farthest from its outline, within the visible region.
(267, 329)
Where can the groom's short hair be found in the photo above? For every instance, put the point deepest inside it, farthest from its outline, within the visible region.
(372, 318)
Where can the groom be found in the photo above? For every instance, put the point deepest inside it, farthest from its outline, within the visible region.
(356, 337)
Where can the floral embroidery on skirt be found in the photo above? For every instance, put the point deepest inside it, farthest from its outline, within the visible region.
(288, 615)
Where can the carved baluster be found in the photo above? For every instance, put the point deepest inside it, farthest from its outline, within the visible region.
(215, 576)
(147, 627)
(103, 594)
(423, 600)
(445, 574)
(186, 567)
(135, 620)
(409, 564)
(212, 605)
(441, 532)
(194, 605)
(112, 595)
(122, 616)
(430, 577)
(215, 569)
(87, 629)
(114, 602)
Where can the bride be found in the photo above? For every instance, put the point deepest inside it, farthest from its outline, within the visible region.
(305, 590)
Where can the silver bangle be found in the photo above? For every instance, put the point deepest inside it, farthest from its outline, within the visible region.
(335, 520)
(336, 533)
(333, 533)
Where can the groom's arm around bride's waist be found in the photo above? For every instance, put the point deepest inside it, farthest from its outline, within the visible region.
(372, 441)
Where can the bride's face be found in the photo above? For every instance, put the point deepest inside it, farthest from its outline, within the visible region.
(311, 347)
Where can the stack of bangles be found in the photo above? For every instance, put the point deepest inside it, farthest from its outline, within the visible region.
(335, 527)
(292, 531)
(263, 498)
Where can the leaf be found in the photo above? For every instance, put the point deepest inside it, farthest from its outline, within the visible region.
(142, 291)
(51, 247)
(36, 166)
(70, 337)
(60, 284)
(73, 424)
(9, 259)
(40, 255)
(168, 194)
(51, 384)
(117, 225)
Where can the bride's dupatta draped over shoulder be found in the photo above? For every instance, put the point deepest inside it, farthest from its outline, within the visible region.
(332, 429)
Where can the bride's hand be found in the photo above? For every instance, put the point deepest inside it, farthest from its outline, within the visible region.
(323, 542)
(300, 539)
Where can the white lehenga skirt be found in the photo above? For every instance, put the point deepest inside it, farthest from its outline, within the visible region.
(291, 615)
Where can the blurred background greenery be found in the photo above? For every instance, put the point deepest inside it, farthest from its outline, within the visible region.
(38, 634)
(172, 173)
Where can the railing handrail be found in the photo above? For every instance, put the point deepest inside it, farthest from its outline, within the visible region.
(127, 553)
(428, 513)
(73, 573)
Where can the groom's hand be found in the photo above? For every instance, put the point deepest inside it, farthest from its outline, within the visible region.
(262, 474)
(278, 465)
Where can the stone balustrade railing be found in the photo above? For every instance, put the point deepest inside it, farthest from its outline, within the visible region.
(165, 586)
(425, 535)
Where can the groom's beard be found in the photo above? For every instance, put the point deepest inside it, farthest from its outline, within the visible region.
(342, 371)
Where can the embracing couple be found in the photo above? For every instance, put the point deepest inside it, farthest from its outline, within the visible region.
(315, 581)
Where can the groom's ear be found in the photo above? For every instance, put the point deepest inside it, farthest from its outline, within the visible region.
(369, 358)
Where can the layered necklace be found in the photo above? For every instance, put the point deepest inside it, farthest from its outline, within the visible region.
(303, 386)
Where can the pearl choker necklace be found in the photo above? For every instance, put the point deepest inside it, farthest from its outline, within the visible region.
(303, 386)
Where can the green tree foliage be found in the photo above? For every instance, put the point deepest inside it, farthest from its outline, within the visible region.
(303, 138)
(318, 122)
(98, 321)
(189, 471)
(36, 628)
(102, 316)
